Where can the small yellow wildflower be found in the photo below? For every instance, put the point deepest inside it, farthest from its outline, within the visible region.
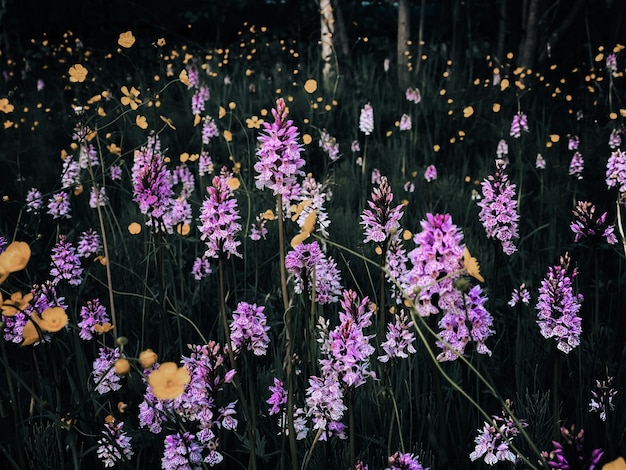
(130, 98)
(168, 381)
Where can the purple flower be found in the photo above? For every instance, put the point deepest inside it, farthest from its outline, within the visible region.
(405, 123)
(465, 319)
(570, 454)
(399, 340)
(330, 145)
(201, 268)
(193, 76)
(498, 212)
(573, 143)
(355, 147)
(615, 139)
(114, 447)
(205, 164)
(199, 98)
(115, 172)
(324, 401)
(3, 244)
(616, 173)
(104, 376)
(65, 263)
(611, 64)
(602, 398)
(91, 314)
(278, 397)
(59, 205)
(258, 229)
(380, 221)
(219, 219)
(519, 124)
(249, 328)
(314, 196)
(152, 182)
(540, 162)
(431, 173)
(406, 461)
(366, 119)
(209, 130)
(347, 348)
(584, 225)
(502, 151)
(519, 295)
(494, 439)
(70, 174)
(413, 95)
(279, 163)
(558, 307)
(34, 201)
(438, 254)
(98, 198)
(181, 452)
(577, 165)
(306, 262)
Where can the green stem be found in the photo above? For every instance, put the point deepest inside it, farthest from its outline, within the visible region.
(288, 334)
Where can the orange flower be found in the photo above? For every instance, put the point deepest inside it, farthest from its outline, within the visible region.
(53, 319)
(618, 464)
(5, 106)
(130, 98)
(168, 381)
(78, 73)
(147, 358)
(122, 366)
(16, 303)
(126, 39)
(471, 265)
(102, 328)
(141, 122)
(254, 122)
(14, 258)
(30, 333)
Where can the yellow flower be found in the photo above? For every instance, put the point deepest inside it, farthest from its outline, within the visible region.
(617, 464)
(471, 265)
(184, 78)
(53, 319)
(14, 258)
(78, 73)
(17, 303)
(141, 122)
(134, 228)
(468, 111)
(310, 86)
(168, 381)
(126, 39)
(130, 97)
(147, 358)
(102, 328)
(161, 42)
(168, 121)
(121, 366)
(114, 149)
(5, 106)
(254, 122)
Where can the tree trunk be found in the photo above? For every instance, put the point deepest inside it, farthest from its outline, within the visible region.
(561, 30)
(420, 38)
(502, 27)
(329, 71)
(404, 32)
(342, 47)
(529, 45)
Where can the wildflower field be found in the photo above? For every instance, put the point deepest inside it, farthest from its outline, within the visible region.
(213, 257)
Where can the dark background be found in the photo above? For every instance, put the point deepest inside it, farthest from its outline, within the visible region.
(462, 25)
